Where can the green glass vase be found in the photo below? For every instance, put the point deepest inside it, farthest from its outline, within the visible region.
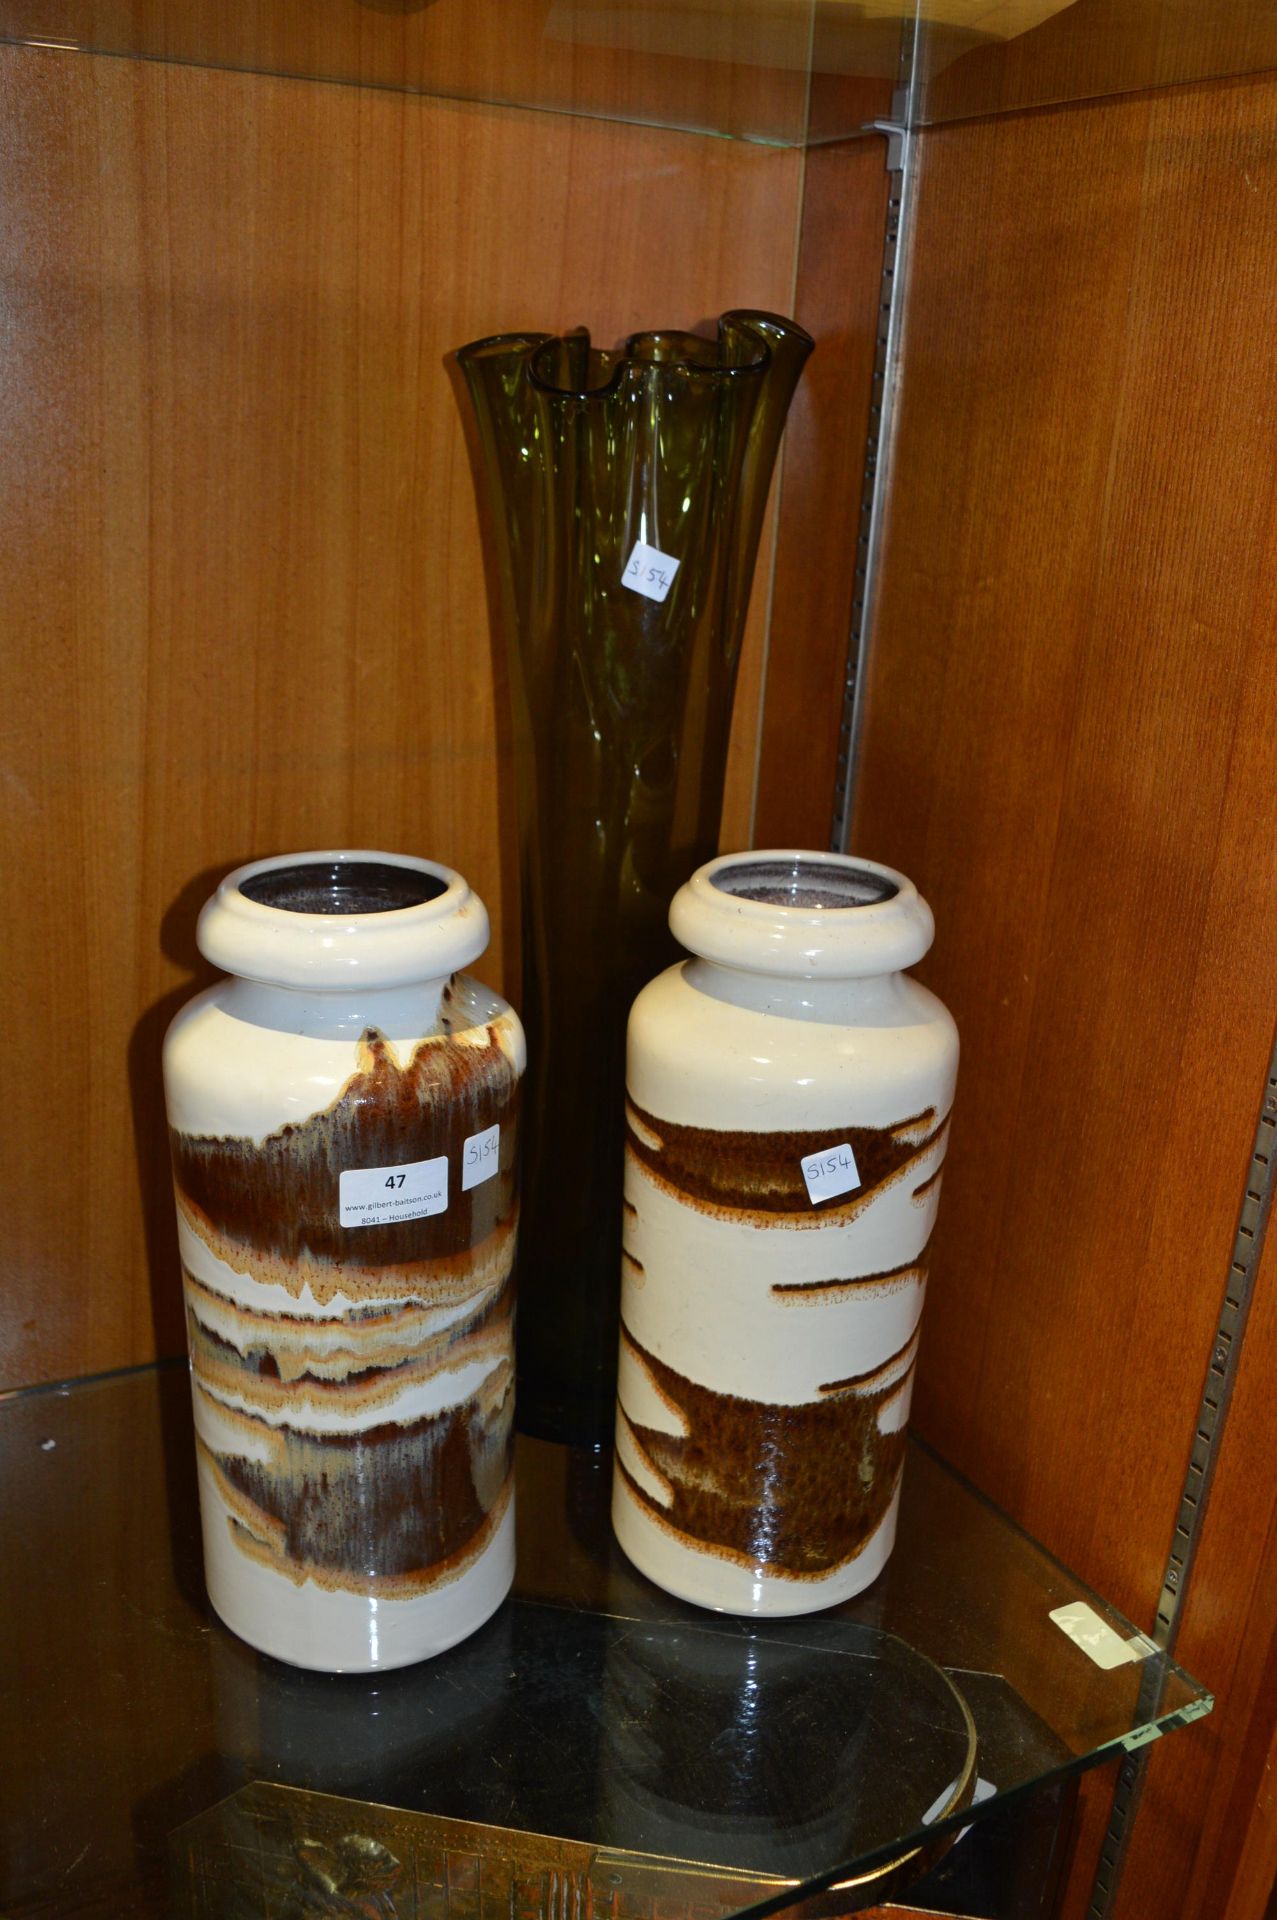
(622, 496)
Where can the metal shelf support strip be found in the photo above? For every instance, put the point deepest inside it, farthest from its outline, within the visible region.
(1212, 1415)
(901, 159)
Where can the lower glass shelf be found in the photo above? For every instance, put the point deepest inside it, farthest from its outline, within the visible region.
(597, 1743)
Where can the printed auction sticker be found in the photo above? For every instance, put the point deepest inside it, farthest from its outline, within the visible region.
(480, 1157)
(830, 1172)
(378, 1196)
(649, 571)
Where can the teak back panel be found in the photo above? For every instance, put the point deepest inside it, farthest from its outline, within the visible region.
(1093, 48)
(1070, 746)
(242, 591)
(1205, 1841)
(722, 68)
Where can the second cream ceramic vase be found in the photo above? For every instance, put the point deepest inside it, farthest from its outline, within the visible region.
(342, 1113)
(789, 1091)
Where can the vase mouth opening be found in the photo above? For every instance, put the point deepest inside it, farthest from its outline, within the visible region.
(344, 887)
(343, 919)
(569, 367)
(795, 913)
(806, 884)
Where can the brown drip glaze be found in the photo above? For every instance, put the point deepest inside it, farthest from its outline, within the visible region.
(392, 1501)
(912, 1273)
(280, 1198)
(633, 1272)
(796, 1490)
(876, 1377)
(926, 1186)
(267, 1368)
(738, 1172)
(405, 1586)
(429, 1283)
(392, 1509)
(370, 1336)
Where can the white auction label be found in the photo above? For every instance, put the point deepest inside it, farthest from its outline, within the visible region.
(378, 1196)
(649, 571)
(1096, 1637)
(480, 1157)
(830, 1172)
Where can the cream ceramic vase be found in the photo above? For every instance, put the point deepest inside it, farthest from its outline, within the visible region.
(342, 1114)
(788, 1103)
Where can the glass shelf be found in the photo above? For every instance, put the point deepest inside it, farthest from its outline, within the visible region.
(734, 68)
(783, 72)
(594, 1729)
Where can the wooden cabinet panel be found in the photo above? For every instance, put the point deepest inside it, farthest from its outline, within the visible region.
(839, 290)
(1092, 48)
(739, 68)
(1214, 1792)
(1070, 747)
(242, 590)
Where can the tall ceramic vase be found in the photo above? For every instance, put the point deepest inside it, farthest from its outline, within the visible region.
(788, 1112)
(624, 495)
(342, 1112)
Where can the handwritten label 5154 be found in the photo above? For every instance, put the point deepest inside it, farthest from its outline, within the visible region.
(649, 571)
(831, 1172)
(480, 1157)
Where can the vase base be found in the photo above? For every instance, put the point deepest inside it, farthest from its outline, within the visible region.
(726, 1586)
(305, 1625)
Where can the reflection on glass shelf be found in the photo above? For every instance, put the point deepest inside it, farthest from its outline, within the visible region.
(592, 1715)
(737, 68)
(783, 72)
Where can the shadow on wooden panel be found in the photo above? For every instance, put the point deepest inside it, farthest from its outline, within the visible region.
(503, 719)
(146, 1097)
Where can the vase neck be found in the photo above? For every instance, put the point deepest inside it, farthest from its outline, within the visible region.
(400, 1013)
(873, 1000)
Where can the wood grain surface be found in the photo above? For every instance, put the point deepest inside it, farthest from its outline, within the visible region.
(242, 591)
(1213, 1794)
(738, 67)
(717, 65)
(839, 281)
(1093, 48)
(1070, 747)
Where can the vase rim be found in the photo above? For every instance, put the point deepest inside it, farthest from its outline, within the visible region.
(345, 943)
(632, 355)
(802, 914)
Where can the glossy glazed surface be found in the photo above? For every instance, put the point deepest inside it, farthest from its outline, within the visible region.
(351, 1351)
(769, 1332)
